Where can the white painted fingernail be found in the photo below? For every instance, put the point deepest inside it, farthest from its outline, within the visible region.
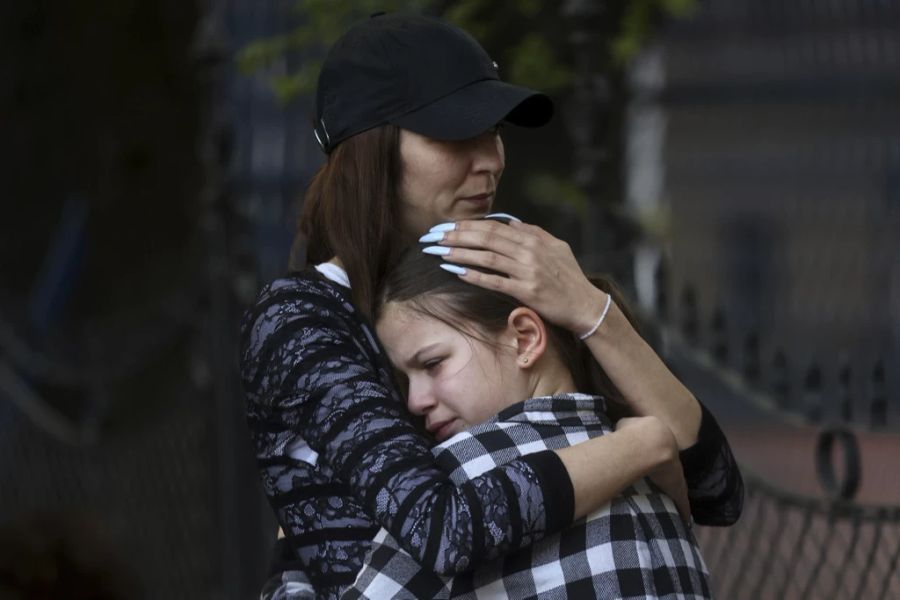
(443, 227)
(503, 216)
(429, 238)
(437, 250)
(455, 269)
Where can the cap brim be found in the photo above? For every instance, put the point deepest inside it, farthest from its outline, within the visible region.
(472, 110)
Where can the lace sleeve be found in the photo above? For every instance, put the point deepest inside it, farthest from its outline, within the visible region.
(715, 486)
(315, 369)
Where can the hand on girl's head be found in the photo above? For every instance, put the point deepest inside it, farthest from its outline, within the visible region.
(525, 262)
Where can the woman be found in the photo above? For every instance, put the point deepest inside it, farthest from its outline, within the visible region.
(496, 382)
(406, 110)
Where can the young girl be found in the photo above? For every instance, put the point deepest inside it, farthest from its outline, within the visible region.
(494, 382)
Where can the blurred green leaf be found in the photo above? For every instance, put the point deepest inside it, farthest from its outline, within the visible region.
(639, 22)
(469, 15)
(547, 189)
(534, 64)
(529, 8)
(301, 82)
(532, 57)
(680, 8)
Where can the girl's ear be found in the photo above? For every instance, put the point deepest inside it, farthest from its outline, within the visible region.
(530, 335)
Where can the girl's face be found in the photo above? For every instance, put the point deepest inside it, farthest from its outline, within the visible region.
(448, 180)
(454, 381)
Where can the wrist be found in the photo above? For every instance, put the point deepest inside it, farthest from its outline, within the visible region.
(614, 329)
(660, 446)
(596, 310)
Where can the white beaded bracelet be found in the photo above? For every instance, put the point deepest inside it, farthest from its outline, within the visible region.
(600, 320)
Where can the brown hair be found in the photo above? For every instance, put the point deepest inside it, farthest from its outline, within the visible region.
(351, 210)
(419, 284)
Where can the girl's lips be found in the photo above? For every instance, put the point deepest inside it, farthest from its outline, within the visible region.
(444, 430)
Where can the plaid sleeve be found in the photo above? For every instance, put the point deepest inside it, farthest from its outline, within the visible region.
(288, 585)
(389, 572)
(636, 546)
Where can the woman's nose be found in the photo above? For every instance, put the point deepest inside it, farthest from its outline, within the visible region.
(487, 153)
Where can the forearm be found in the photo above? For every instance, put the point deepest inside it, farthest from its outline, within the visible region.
(602, 467)
(646, 383)
(451, 528)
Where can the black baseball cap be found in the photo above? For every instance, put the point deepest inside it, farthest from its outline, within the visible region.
(421, 74)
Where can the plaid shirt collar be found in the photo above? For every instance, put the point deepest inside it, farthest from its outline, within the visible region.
(569, 409)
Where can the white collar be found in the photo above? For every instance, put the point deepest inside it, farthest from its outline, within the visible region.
(334, 273)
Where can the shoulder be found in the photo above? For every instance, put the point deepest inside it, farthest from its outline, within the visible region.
(302, 303)
(300, 294)
(307, 286)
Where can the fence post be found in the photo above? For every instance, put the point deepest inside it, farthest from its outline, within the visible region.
(812, 393)
(879, 396)
(781, 384)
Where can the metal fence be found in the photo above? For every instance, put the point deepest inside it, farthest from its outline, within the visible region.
(766, 136)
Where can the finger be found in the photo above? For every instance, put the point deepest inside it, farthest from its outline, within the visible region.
(485, 259)
(497, 283)
(534, 230)
(501, 239)
(488, 228)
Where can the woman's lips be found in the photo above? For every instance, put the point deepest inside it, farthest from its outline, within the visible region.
(482, 199)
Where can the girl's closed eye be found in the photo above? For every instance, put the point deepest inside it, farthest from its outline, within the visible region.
(432, 364)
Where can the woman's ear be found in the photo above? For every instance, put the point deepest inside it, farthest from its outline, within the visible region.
(530, 335)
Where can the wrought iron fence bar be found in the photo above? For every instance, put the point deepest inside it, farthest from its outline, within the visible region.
(769, 561)
(868, 563)
(841, 509)
(676, 342)
(892, 568)
(757, 517)
(798, 552)
(814, 573)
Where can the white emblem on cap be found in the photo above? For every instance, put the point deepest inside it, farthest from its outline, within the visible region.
(327, 141)
(496, 66)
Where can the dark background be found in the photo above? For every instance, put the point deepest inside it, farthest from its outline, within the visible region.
(738, 170)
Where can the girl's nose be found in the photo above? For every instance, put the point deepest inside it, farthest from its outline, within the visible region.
(419, 400)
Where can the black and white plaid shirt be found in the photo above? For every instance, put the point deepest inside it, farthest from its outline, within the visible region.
(637, 546)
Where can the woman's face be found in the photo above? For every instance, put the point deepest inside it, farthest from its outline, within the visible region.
(454, 381)
(448, 180)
